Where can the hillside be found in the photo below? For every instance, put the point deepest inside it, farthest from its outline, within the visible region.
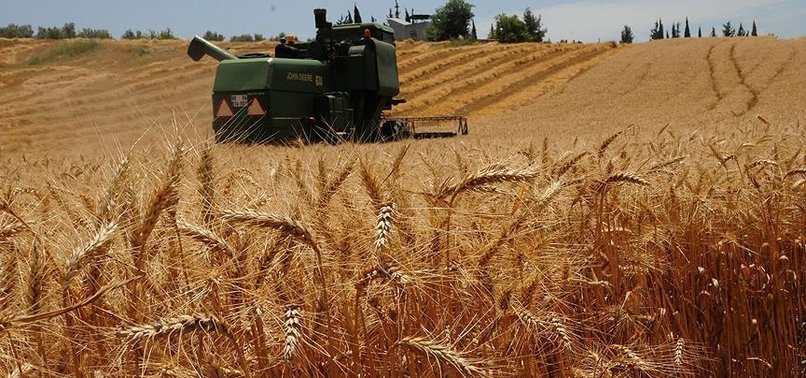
(86, 93)
(687, 84)
(67, 93)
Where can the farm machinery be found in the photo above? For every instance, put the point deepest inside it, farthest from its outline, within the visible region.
(334, 88)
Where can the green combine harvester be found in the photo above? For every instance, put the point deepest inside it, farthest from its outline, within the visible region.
(333, 89)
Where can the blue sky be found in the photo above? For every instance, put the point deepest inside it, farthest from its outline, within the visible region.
(586, 20)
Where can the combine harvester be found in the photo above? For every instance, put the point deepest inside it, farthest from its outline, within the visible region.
(333, 89)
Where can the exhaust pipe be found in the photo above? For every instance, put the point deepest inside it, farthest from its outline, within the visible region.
(199, 47)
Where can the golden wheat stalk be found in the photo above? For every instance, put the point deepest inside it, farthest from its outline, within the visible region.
(90, 250)
(494, 174)
(9, 230)
(790, 173)
(207, 188)
(679, 350)
(15, 321)
(383, 226)
(564, 168)
(170, 326)
(762, 163)
(550, 322)
(206, 237)
(661, 166)
(606, 143)
(444, 353)
(625, 177)
(281, 223)
(633, 359)
(22, 370)
(293, 331)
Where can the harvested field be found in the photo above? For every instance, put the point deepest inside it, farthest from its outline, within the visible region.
(614, 212)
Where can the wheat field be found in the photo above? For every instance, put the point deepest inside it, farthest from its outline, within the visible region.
(643, 214)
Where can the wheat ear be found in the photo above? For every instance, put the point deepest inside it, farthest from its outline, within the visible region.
(624, 177)
(293, 331)
(790, 173)
(383, 226)
(91, 249)
(444, 353)
(9, 230)
(486, 176)
(167, 327)
(206, 237)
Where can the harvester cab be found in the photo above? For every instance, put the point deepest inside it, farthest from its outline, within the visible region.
(336, 87)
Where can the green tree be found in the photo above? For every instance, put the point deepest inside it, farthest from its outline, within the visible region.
(451, 21)
(510, 29)
(676, 30)
(754, 30)
(473, 33)
(741, 32)
(699, 32)
(356, 15)
(627, 35)
(69, 30)
(534, 26)
(713, 31)
(49, 33)
(687, 32)
(213, 36)
(94, 33)
(728, 30)
(242, 38)
(16, 31)
(657, 30)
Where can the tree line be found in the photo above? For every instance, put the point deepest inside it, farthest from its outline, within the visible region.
(68, 31)
(684, 30)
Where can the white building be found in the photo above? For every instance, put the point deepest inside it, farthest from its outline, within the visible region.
(416, 29)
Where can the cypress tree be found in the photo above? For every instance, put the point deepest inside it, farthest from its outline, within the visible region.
(473, 33)
(687, 32)
(754, 30)
(741, 32)
(713, 31)
(660, 30)
(408, 16)
(356, 14)
(728, 30)
(492, 33)
(699, 32)
(626, 35)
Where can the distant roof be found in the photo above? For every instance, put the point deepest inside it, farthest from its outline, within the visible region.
(420, 17)
(376, 25)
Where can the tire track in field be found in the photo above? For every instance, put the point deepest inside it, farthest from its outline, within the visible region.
(442, 64)
(468, 68)
(536, 85)
(520, 80)
(434, 53)
(448, 94)
(751, 103)
(712, 77)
